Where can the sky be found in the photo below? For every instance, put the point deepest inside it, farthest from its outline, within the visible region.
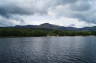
(68, 13)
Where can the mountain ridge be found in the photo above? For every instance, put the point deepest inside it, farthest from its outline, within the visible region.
(56, 27)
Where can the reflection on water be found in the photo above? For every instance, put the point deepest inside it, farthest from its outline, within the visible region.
(48, 50)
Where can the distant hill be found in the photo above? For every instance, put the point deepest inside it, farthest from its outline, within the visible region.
(56, 27)
(47, 26)
(89, 28)
(45, 29)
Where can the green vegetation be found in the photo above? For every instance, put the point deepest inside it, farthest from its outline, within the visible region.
(19, 32)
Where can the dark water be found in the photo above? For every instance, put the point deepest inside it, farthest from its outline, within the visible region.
(48, 50)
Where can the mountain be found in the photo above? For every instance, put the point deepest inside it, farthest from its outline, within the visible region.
(89, 28)
(47, 26)
(56, 27)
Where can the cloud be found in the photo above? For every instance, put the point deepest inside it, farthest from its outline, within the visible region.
(13, 12)
(23, 6)
(8, 22)
(8, 7)
(62, 21)
(81, 9)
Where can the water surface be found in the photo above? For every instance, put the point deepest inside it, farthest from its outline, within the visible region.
(66, 49)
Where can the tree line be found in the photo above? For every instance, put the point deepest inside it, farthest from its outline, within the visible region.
(5, 32)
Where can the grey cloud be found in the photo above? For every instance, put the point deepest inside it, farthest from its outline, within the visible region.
(81, 6)
(66, 1)
(21, 8)
(5, 22)
(36, 6)
(7, 11)
(80, 9)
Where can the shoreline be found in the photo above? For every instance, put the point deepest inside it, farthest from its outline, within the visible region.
(19, 32)
(45, 36)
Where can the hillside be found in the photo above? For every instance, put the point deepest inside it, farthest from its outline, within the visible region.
(56, 27)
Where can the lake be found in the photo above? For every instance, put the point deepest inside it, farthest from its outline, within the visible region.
(68, 49)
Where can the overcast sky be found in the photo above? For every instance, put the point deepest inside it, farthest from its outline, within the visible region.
(75, 13)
